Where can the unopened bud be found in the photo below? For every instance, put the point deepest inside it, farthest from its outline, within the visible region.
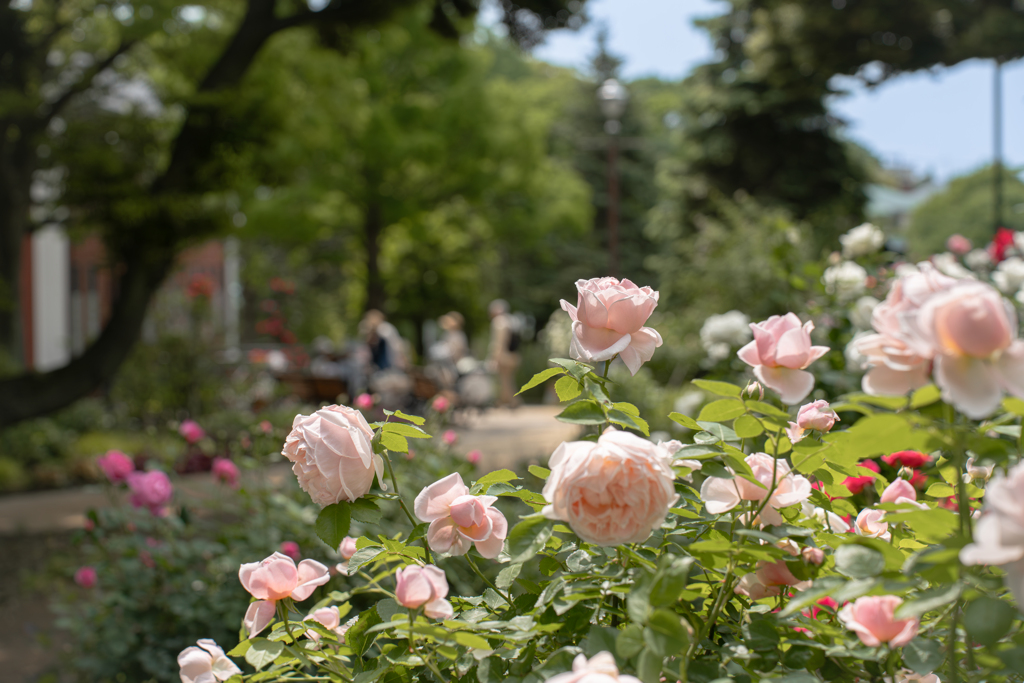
(752, 387)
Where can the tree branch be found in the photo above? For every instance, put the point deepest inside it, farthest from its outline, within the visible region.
(86, 83)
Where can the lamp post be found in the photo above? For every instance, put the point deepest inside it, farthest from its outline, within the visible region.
(612, 96)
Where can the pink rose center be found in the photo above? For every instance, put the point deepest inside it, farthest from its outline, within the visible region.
(972, 327)
(468, 511)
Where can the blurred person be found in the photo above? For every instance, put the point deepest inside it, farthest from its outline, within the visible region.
(455, 342)
(388, 360)
(503, 355)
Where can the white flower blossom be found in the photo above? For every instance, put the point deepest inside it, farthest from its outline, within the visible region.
(860, 313)
(863, 240)
(1009, 275)
(720, 333)
(846, 281)
(978, 259)
(947, 264)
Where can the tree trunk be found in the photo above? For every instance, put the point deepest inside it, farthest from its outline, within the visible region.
(15, 180)
(372, 228)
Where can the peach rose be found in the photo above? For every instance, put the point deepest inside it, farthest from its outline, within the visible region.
(329, 618)
(424, 587)
(779, 353)
(205, 663)
(608, 320)
(333, 457)
(276, 578)
(871, 524)
(871, 618)
(601, 668)
(613, 491)
(818, 416)
(721, 495)
(459, 520)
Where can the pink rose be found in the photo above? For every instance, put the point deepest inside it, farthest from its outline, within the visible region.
(225, 471)
(817, 415)
(608, 320)
(900, 491)
(958, 244)
(449, 437)
(615, 491)
(347, 548)
(871, 618)
(871, 524)
(440, 404)
(151, 490)
(116, 465)
(813, 555)
(363, 401)
(329, 618)
(291, 549)
(423, 587)
(205, 663)
(266, 427)
(999, 534)
(333, 457)
(191, 430)
(973, 331)
(459, 520)
(276, 578)
(750, 586)
(776, 574)
(601, 668)
(780, 351)
(721, 495)
(473, 457)
(86, 577)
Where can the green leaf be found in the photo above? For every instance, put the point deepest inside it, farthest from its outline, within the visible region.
(263, 652)
(575, 368)
(929, 526)
(760, 634)
(357, 637)
(763, 408)
(415, 419)
(240, 649)
(471, 640)
(648, 667)
(365, 510)
(665, 634)
(497, 476)
(721, 432)
(629, 421)
(923, 655)
(629, 642)
(684, 420)
(718, 388)
(722, 410)
(567, 388)
(988, 619)
(541, 377)
(627, 408)
(363, 556)
(539, 472)
(940, 490)
(928, 600)
(858, 561)
(925, 396)
(1013, 405)
(403, 429)
(528, 537)
(578, 561)
(394, 442)
(747, 427)
(507, 576)
(333, 522)
(670, 581)
(587, 412)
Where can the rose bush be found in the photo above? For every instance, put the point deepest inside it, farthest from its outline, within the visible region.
(746, 554)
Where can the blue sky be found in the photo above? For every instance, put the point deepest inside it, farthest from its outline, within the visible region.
(939, 123)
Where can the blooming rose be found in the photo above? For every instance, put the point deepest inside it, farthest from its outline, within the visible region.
(976, 471)
(205, 664)
(116, 465)
(829, 520)
(1004, 239)
(225, 471)
(846, 281)
(347, 548)
(870, 524)
(449, 437)
(858, 484)
(333, 458)
(978, 259)
(722, 332)
(999, 534)
(813, 555)
(459, 520)
(779, 353)
(608, 320)
(721, 495)
(863, 240)
(911, 459)
(276, 578)
(601, 668)
(423, 587)
(291, 549)
(871, 618)
(363, 401)
(151, 490)
(473, 457)
(329, 618)
(900, 491)
(817, 415)
(440, 404)
(191, 430)
(958, 244)
(973, 332)
(1009, 275)
(613, 491)
(86, 577)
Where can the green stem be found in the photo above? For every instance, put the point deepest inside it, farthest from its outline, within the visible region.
(401, 503)
(476, 570)
(954, 674)
(607, 364)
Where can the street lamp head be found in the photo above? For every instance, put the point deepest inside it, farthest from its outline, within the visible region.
(612, 96)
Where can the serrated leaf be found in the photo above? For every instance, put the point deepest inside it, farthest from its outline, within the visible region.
(403, 429)
(471, 640)
(928, 600)
(527, 537)
(263, 652)
(925, 396)
(720, 432)
(747, 427)
(567, 388)
(362, 556)
(575, 368)
(497, 476)
(629, 642)
(721, 410)
(415, 419)
(586, 412)
(365, 510)
(685, 421)
(394, 442)
(923, 655)
(718, 388)
(762, 408)
(538, 471)
(540, 378)
(627, 408)
(629, 421)
(858, 561)
(333, 522)
(240, 649)
(507, 576)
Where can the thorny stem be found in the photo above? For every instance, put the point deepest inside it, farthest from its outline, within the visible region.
(401, 502)
(476, 570)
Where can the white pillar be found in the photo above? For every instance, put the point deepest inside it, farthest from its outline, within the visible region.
(51, 289)
(232, 297)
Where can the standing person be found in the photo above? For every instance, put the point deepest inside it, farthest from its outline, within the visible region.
(504, 351)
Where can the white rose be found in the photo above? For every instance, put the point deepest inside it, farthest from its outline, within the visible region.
(863, 240)
(732, 329)
(846, 280)
(947, 264)
(978, 259)
(1009, 275)
(860, 314)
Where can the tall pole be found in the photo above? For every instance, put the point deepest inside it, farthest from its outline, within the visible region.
(997, 146)
(613, 206)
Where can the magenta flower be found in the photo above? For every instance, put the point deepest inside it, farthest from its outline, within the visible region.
(86, 577)
(116, 465)
(151, 490)
(191, 430)
(225, 471)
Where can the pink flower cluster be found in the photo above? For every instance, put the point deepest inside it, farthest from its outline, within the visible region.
(776, 482)
(962, 332)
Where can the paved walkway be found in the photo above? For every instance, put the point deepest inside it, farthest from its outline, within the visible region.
(505, 438)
